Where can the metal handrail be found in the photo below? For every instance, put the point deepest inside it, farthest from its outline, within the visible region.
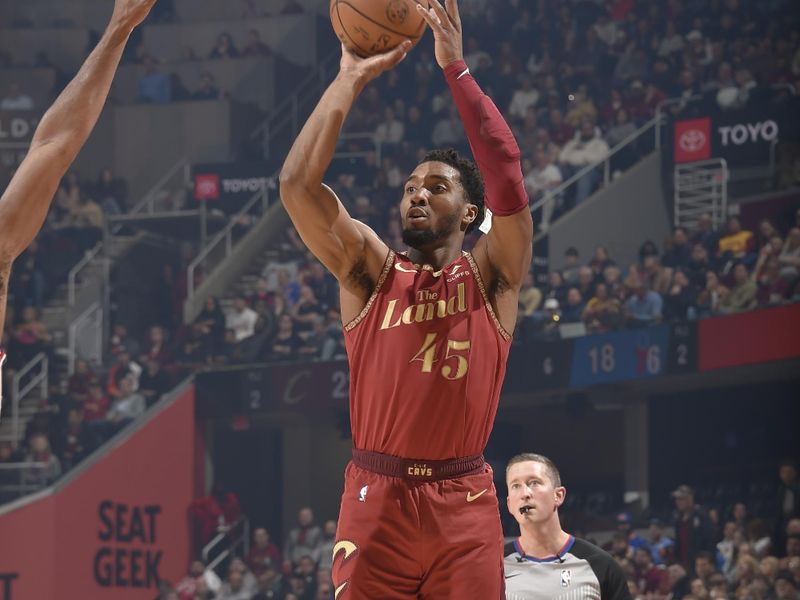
(225, 235)
(148, 200)
(291, 105)
(550, 195)
(72, 336)
(18, 394)
(224, 533)
(73, 273)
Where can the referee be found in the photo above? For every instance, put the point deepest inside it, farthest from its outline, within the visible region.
(545, 562)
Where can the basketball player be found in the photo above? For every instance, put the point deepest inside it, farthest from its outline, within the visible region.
(59, 137)
(427, 333)
(545, 562)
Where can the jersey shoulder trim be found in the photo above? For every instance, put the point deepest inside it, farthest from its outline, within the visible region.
(479, 280)
(387, 265)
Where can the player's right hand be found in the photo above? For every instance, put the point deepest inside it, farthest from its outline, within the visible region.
(369, 68)
(130, 13)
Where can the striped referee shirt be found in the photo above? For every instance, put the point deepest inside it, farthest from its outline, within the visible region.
(579, 571)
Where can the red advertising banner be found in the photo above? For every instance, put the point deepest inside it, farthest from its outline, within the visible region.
(749, 338)
(692, 140)
(114, 530)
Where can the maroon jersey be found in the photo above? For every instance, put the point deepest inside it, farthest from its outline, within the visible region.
(427, 359)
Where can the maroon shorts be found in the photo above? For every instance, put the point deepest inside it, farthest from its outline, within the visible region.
(418, 530)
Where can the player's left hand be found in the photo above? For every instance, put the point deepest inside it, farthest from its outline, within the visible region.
(446, 27)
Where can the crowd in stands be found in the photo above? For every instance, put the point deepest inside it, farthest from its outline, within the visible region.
(730, 548)
(698, 273)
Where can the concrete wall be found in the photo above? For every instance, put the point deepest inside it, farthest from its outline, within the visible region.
(151, 139)
(621, 216)
(292, 36)
(67, 48)
(245, 79)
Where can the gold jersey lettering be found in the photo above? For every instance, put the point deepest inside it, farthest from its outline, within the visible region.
(425, 311)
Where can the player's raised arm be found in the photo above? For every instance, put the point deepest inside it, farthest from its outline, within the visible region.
(320, 218)
(59, 137)
(509, 243)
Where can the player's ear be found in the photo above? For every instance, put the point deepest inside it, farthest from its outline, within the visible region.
(560, 495)
(470, 214)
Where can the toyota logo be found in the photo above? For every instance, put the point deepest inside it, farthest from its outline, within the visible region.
(692, 140)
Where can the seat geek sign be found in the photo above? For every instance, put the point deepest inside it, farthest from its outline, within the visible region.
(742, 137)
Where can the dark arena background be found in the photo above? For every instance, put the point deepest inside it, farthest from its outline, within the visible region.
(657, 348)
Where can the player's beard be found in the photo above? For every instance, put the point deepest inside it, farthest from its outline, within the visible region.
(423, 238)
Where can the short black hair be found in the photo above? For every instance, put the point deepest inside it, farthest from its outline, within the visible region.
(471, 179)
(571, 251)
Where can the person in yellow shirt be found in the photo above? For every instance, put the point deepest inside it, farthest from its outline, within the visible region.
(737, 242)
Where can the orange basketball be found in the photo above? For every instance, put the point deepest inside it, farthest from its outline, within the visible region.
(369, 27)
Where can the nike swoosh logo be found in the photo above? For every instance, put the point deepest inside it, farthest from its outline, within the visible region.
(512, 575)
(339, 590)
(402, 269)
(471, 498)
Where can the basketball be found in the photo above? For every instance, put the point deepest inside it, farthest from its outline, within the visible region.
(369, 27)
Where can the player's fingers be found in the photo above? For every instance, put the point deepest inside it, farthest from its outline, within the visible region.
(452, 11)
(394, 56)
(440, 13)
(430, 19)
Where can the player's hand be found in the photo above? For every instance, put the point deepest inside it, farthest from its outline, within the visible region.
(446, 27)
(130, 13)
(369, 68)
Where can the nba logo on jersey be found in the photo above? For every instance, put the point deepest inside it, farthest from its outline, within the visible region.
(566, 577)
(362, 496)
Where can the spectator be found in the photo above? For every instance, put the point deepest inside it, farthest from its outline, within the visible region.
(29, 338)
(649, 576)
(224, 48)
(75, 441)
(737, 242)
(155, 346)
(210, 323)
(529, 297)
(96, 405)
(48, 467)
(213, 513)
(727, 547)
(572, 312)
(16, 99)
(560, 131)
(660, 545)
(643, 307)
(127, 407)
(586, 148)
(196, 579)
(390, 130)
(586, 281)
(123, 367)
(787, 506)
(602, 312)
(448, 130)
(771, 287)
(693, 532)
(234, 588)
(303, 540)
(326, 547)
(543, 177)
(154, 382)
(78, 383)
(154, 86)
(122, 341)
(679, 302)
(789, 259)
(569, 272)
(742, 295)
(208, 89)
(285, 343)
(271, 585)
(254, 46)
(710, 298)
(620, 130)
(111, 192)
(679, 253)
(242, 319)
(704, 566)
(524, 97)
(263, 553)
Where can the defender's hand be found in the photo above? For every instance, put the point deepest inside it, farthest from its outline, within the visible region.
(367, 69)
(130, 13)
(446, 27)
